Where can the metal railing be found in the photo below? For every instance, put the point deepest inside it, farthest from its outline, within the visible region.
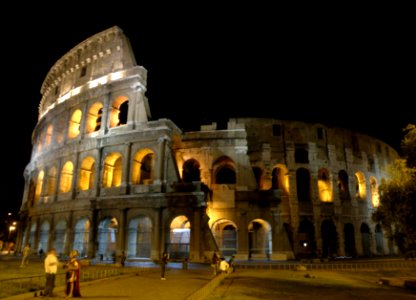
(15, 286)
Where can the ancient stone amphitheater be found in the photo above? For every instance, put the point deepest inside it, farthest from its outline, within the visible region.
(104, 177)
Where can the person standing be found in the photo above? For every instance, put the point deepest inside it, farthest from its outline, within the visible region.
(25, 256)
(51, 267)
(163, 263)
(72, 275)
(215, 263)
(123, 258)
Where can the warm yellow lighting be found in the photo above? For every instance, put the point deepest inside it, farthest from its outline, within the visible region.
(375, 197)
(39, 185)
(324, 189)
(142, 169)
(361, 192)
(89, 85)
(112, 170)
(74, 124)
(115, 111)
(87, 174)
(94, 117)
(12, 228)
(66, 177)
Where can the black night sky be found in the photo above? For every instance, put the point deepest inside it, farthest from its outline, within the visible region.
(352, 70)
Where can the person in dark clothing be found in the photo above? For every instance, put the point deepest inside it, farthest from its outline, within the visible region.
(215, 263)
(123, 258)
(163, 263)
(232, 263)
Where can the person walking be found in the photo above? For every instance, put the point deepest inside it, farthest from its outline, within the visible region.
(72, 275)
(163, 263)
(215, 263)
(25, 256)
(51, 268)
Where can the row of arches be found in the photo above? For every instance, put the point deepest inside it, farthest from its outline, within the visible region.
(139, 237)
(94, 120)
(142, 173)
(324, 184)
(331, 240)
(143, 164)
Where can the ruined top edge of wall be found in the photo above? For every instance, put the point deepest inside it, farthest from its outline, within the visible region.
(84, 52)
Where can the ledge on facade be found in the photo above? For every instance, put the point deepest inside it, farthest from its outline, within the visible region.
(194, 186)
(327, 209)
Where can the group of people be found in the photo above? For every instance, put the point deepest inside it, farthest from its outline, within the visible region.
(72, 267)
(51, 263)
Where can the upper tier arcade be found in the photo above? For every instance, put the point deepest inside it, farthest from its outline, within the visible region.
(100, 59)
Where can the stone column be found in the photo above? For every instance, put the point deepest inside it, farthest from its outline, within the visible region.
(160, 161)
(69, 245)
(243, 251)
(194, 251)
(121, 245)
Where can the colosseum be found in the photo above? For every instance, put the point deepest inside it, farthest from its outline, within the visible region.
(104, 177)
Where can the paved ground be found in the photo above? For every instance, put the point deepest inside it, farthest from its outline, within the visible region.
(310, 285)
(179, 284)
(247, 284)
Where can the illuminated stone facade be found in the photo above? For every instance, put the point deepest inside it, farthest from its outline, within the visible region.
(105, 178)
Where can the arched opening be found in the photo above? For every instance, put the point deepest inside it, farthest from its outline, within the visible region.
(51, 182)
(86, 174)
(366, 239)
(306, 236)
(258, 173)
(60, 238)
(225, 175)
(360, 186)
(82, 236)
(329, 239)
(303, 185)
(143, 167)
(94, 117)
(74, 124)
(179, 239)
(280, 179)
(301, 156)
(112, 170)
(49, 132)
(66, 177)
(259, 239)
(119, 111)
(225, 234)
(107, 238)
(140, 237)
(343, 189)
(191, 171)
(146, 169)
(39, 185)
(324, 186)
(349, 240)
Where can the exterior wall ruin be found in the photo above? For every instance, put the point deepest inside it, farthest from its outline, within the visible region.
(104, 178)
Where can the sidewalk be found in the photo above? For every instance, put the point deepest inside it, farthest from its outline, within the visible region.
(179, 284)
